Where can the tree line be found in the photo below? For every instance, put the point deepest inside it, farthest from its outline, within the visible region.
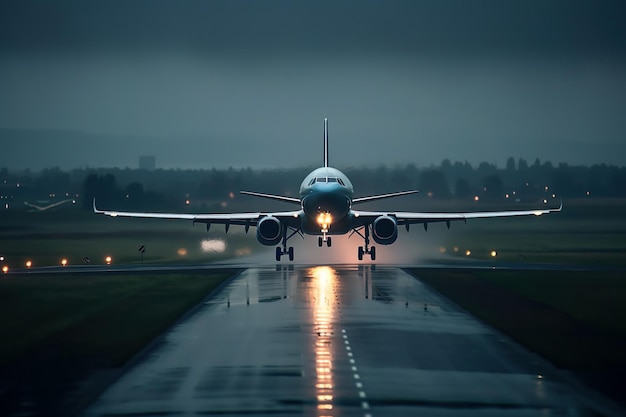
(214, 189)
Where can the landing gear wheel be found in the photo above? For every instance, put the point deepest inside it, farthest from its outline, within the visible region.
(328, 241)
(279, 254)
(320, 241)
(373, 253)
(290, 253)
(360, 253)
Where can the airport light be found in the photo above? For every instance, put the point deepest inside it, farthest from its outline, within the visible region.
(494, 253)
(468, 252)
(29, 263)
(108, 260)
(476, 198)
(63, 262)
(5, 269)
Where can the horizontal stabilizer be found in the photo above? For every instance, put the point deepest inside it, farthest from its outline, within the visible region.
(381, 196)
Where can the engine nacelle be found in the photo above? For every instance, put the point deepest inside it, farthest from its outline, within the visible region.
(268, 231)
(385, 230)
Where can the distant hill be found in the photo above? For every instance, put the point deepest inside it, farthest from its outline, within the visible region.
(38, 149)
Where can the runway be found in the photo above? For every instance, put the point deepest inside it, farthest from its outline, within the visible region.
(339, 341)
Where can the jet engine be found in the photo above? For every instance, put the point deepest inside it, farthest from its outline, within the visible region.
(385, 230)
(268, 231)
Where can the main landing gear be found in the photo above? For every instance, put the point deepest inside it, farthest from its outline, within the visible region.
(284, 251)
(367, 250)
(280, 251)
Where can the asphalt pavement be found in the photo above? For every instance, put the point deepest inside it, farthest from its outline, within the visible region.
(340, 341)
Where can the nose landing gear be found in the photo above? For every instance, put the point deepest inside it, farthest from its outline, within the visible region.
(321, 240)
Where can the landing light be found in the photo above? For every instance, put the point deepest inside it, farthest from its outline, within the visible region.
(324, 220)
(29, 264)
(108, 260)
(468, 252)
(63, 262)
(5, 269)
(494, 253)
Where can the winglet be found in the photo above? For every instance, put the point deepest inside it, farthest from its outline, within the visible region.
(325, 142)
(95, 210)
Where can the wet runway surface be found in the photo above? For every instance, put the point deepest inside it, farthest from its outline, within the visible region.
(339, 341)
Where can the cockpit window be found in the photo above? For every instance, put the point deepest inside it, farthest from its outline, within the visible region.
(327, 179)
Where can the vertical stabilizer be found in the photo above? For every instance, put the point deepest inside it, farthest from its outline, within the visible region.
(325, 142)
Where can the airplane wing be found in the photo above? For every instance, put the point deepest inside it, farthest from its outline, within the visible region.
(273, 197)
(406, 218)
(242, 219)
(381, 196)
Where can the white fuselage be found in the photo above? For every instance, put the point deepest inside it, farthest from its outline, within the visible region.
(326, 198)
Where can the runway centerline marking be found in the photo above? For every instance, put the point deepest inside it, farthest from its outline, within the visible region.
(359, 385)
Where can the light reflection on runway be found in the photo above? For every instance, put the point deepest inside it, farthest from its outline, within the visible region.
(323, 308)
(338, 341)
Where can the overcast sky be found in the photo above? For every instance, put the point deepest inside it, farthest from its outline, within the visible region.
(242, 83)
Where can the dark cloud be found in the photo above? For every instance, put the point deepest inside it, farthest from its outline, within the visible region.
(418, 81)
(265, 28)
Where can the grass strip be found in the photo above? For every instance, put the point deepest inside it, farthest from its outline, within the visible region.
(63, 337)
(105, 317)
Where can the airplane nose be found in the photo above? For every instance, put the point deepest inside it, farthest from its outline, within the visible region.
(337, 204)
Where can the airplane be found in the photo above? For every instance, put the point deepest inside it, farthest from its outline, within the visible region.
(326, 209)
(49, 206)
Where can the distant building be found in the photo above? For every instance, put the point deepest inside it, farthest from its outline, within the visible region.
(147, 162)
